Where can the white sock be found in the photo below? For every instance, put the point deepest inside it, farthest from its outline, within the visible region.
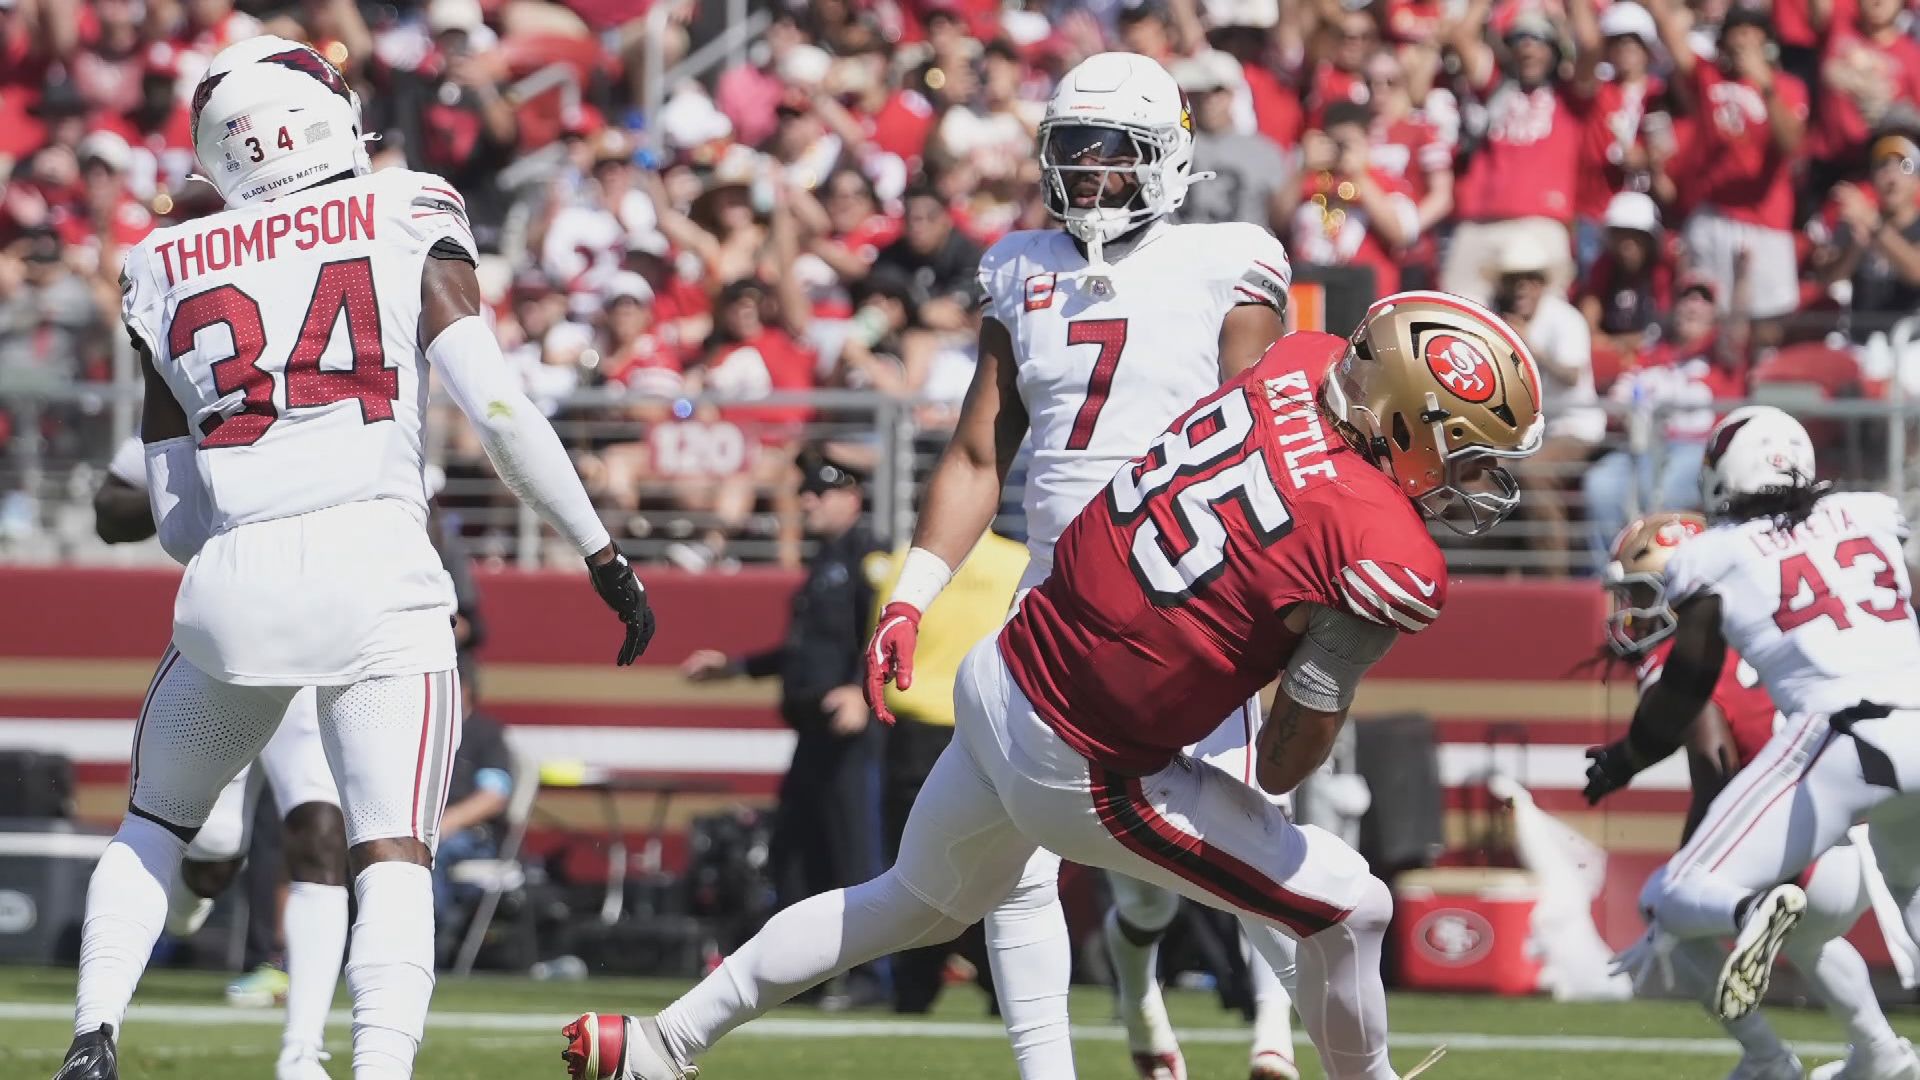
(390, 970)
(803, 946)
(1839, 976)
(1032, 961)
(1696, 967)
(1272, 1004)
(126, 910)
(315, 924)
(1343, 1004)
(1136, 977)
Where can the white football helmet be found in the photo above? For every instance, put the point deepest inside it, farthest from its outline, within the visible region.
(1114, 113)
(1754, 450)
(272, 116)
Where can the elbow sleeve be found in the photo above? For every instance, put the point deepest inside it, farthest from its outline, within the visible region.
(182, 516)
(1330, 660)
(519, 442)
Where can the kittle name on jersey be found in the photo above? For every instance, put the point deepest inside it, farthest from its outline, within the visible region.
(1302, 436)
(332, 222)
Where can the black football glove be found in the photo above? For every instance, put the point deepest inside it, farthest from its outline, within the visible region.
(621, 591)
(1609, 768)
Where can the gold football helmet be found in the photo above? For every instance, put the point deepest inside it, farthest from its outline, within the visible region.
(1638, 617)
(1438, 391)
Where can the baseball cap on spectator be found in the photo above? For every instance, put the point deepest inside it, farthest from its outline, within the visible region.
(530, 283)
(1210, 70)
(161, 60)
(693, 124)
(61, 99)
(627, 285)
(1627, 19)
(805, 66)
(820, 473)
(1142, 11)
(1895, 146)
(462, 15)
(1524, 256)
(40, 244)
(1234, 14)
(1740, 15)
(1634, 210)
(108, 149)
(1532, 24)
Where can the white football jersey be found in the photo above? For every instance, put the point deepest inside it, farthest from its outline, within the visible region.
(1822, 610)
(1103, 369)
(288, 330)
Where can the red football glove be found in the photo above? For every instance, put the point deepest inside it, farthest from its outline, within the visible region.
(890, 654)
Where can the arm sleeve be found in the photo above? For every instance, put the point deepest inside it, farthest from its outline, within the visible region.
(517, 438)
(1329, 662)
(181, 513)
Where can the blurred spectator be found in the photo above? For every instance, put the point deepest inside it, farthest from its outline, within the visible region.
(451, 115)
(1627, 99)
(1736, 167)
(1146, 28)
(1410, 148)
(1626, 293)
(157, 124)
(538, 311)
(1251, 175)
(1684, 374)
(995, 133)
(1558, 338)
(1867, 66)
(748, 93)
(1346, 42)
(53, 330)
(1351, 213)
(1245, 30)
(107, 219)
(1876, 245)
(1520, 179)
(876, 354)
(936, 260)
(107, 68)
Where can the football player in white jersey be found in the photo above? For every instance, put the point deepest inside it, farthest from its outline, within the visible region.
(1811, 588)
(286, 342)
(294, 765)
(1094, 338)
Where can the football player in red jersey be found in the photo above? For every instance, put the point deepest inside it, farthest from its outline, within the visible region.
(1274, 531)
(1737, 722)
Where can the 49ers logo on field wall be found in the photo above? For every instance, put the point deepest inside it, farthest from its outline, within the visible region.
(1461, 366)
(1454, 937)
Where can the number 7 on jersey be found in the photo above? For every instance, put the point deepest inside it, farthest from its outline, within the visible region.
(1111, 336)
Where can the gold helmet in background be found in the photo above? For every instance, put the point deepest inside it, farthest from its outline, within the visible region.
(1638, 617)
(1438, 392)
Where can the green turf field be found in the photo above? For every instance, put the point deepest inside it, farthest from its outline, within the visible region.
(507, 1029)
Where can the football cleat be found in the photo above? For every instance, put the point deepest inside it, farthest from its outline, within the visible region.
(1892, 1060)
(1783, 1066)
(1151, 1066)
(1749, 968)
(91, 1057)
(301, 1063)
(262, 988)
(619, 1048)
(1273, 1065)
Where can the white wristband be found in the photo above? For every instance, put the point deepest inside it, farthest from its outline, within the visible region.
(922, 575)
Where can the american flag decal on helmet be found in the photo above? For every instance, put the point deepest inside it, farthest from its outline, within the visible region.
(239, 125)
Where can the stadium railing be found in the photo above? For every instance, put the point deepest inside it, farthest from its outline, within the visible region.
(678, 478)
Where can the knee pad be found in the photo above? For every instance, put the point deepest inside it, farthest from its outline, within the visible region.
(1373, 909)
(1141, 905)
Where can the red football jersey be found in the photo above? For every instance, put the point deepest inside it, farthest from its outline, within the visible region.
(1730, 160)
(1530, 162)
(1611, 132)
(1738, 695)
(1165, 608)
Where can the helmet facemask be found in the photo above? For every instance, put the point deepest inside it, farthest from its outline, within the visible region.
(1638, 617)
(1079, 163)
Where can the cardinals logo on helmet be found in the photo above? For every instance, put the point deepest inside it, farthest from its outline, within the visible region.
(1723, 439)
(202, 94)
(308, 62)
(1461, 366)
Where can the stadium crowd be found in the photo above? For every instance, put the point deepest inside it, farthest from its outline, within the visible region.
(1672, 202)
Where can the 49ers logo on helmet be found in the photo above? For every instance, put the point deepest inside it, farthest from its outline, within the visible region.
(1461, 366)
(1674, 532)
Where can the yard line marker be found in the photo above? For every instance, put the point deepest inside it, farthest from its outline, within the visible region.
(784, 1027)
